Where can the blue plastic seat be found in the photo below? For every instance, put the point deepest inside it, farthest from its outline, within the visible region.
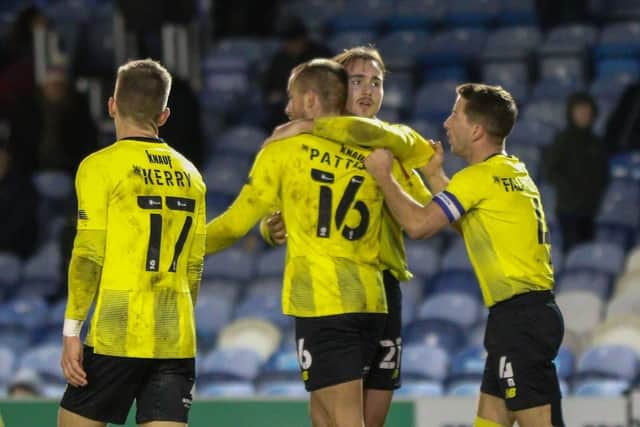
(271, 262)
(547, 111)
(229, 364)
(416, 14)
(226, 174)
(557, 89)
(400, 49)
(456, 281)
(527, 132)
(243, 139)
(604, 257)
(597, 282)
(282, 388)
(347, 39)
(433, 101)
(11, 267)
(610, 361)
(522, 12)
(618, 68)
(456, 258)
(422, 259)
(463, 13)
(596, 387)
(457, 307)
(468, 363)
(233, 263)
(414, 366)
(463, 388)
(619, 40)
(212, 314)
(453, 47)
(511, 43)
(7, 362)
(564, 362)
(419, 388)
(435, 332)
(45, 360)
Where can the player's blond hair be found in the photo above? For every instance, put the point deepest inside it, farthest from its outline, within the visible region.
(325, 77)
(142, 90)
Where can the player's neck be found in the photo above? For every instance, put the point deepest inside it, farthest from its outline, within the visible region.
(484, 151)
(126, 129)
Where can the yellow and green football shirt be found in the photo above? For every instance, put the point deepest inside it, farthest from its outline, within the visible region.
(332, 209)
(500, 213)
(410, 148)
(142, 205)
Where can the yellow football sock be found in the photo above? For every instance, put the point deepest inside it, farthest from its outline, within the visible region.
(481, 422)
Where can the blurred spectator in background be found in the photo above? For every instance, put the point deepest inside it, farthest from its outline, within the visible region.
(16, 59)
(18, 198)
(26, 383)
(53, 129)
(297, 47)
(577, 166)
(623, 126)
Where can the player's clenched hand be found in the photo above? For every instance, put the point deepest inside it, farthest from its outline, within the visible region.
(277, 230)
(379, 163)
(72, 361)
(290, 129)
(434, 166)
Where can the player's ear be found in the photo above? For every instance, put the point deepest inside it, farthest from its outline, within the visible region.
(164, 116)
(111, 105)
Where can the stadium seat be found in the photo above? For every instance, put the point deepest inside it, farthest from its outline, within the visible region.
(595, 387)
(522, 12)
(7, 362)
(453, 47)
(266, 306)
(400, 49)
(582, 310)
(414, 366)
(511, 43)
(11, 267)
(555, 89)
(462, 13)
(633, 260)
(624, 331)
(603, 257)
(411, 298)
(347, 39)
(456, 307)
(226, 174)
(435, 332)
(30, 312)
(564, 362)
(624, 68)
(624, 303)
(253, 334)
(422, 259)
(620, 39)
(284, 362)
(548, 112)
(243, 140)
(271, 262)
(505, 73)
(456, 258)
(608, 361)
(457, 281)
(610, 86)
(233, 263)
(45, 360)
(530, 155)
(416, 14)
(468, 363)
(212, 314)
(534, 133)
(585, 280)
(433, 101)
(229, 364)
(217, 389)
(360, 16)
(476, 335)
(463, 388)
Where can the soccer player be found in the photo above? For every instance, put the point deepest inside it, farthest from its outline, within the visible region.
(138, 254)
(366, 71)
(497, 206)
(332, 281)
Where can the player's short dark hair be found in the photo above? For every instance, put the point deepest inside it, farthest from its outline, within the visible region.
(325, 77)
(491, 106)
(142, 90)
(367, 53)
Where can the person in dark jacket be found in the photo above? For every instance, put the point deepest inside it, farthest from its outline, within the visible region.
(577, 166)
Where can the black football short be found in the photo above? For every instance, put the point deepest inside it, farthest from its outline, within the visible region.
(522, 339)
(161, 388)
(336, 349)
(385, 373)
